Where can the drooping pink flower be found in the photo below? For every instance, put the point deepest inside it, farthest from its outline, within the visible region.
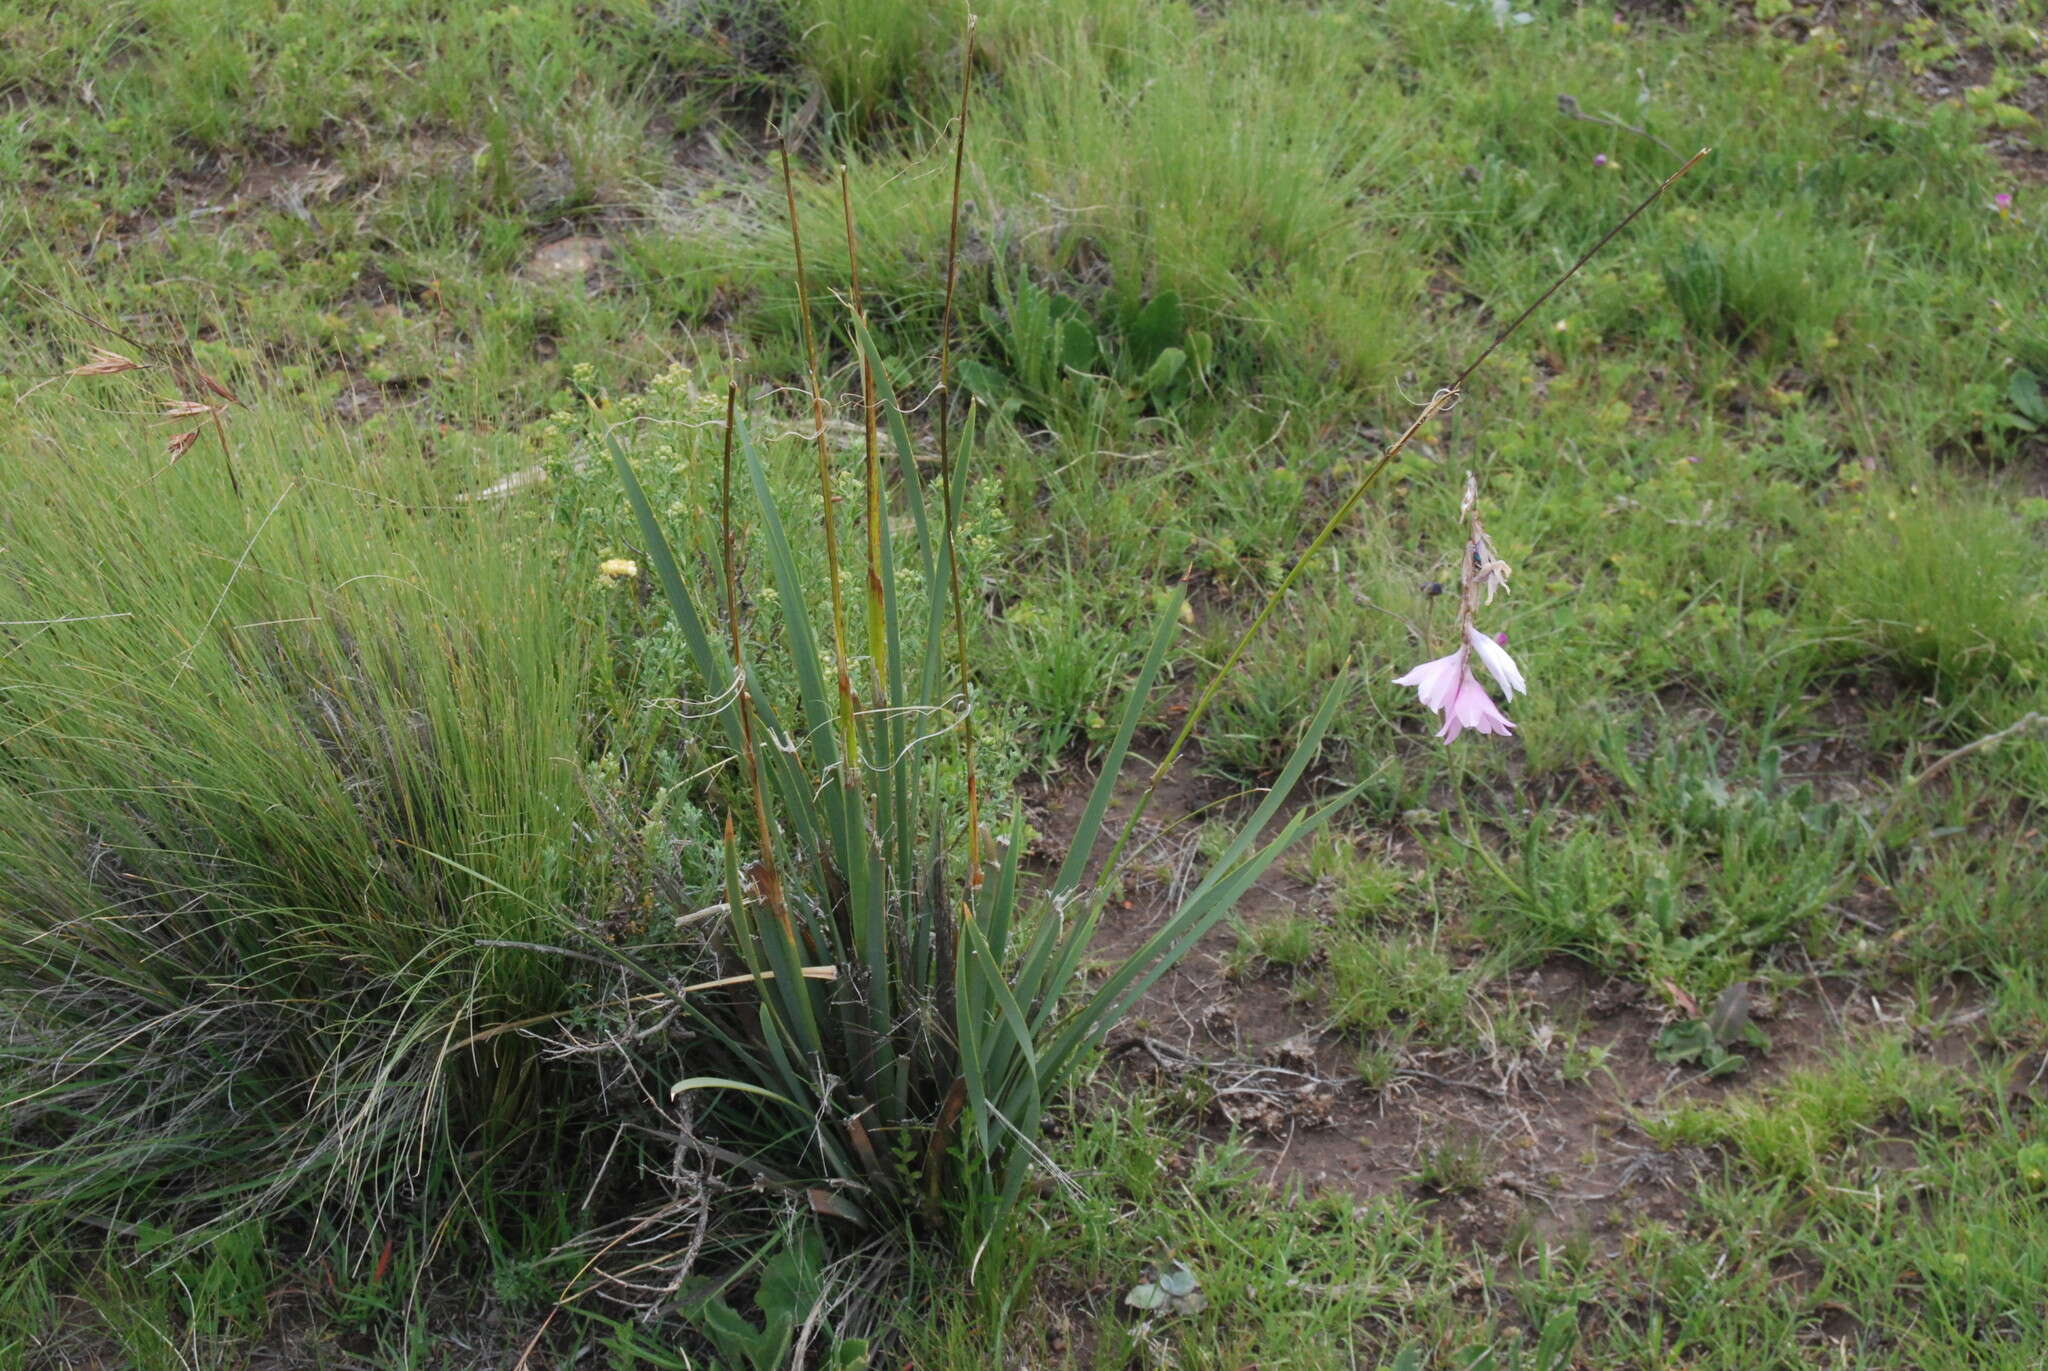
(1493, 655)
(1599, 159)
(1473, 708)
(1448, 687)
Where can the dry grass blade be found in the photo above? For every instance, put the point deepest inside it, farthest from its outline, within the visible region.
(105, 363)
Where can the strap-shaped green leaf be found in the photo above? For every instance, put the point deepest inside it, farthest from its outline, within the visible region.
(999, 896)
(967, 1027)
(906, 452)
(707, 653)
(724, 1083)
(1283, 785)
(1204, 908)
(711, 660)
(1083, 844)
(819, 715)
(1005, 1055)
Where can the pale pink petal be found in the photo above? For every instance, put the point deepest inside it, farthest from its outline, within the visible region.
(1447, 686)
(1494, 656)
(1436, 682)
(1473, 708)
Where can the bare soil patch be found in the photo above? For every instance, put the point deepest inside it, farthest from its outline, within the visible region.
(1516, 1146)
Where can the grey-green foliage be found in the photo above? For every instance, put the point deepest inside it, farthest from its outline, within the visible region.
(1056, 362)
(786, 1291)
(1695, 874)
(908, 1015)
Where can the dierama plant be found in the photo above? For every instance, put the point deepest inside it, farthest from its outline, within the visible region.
(904, 1016)
(908, 1009)
(1447, 684)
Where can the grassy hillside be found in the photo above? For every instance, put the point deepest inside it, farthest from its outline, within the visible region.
(361, 798)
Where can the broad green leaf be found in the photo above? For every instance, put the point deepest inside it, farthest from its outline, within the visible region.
(1077, 346)
(1165, 369)
(1154, 329)
(1146, 1296)
(2026, 395)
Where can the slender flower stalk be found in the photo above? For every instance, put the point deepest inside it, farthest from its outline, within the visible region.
(878, 641)
(766, 879)
(848, 710)
(1444, 399)
(945, 405)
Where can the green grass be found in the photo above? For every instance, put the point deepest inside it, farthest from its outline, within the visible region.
(1776, 519)
(235, 760)
(295, 804)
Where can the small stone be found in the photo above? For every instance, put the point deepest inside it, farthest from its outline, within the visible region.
(1297, 1053)
(570, 260)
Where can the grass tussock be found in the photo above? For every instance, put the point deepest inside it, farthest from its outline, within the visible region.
(269, 778)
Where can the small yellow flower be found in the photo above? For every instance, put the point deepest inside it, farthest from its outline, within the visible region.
(618, 569)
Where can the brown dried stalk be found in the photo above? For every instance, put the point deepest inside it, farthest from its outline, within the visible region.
(945, 399)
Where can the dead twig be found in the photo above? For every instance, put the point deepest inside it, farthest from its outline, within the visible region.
(2026, 723)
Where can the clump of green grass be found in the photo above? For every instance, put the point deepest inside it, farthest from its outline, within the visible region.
(1253, 723)
(1291, 942)
(1258, 246)
(274, 766)
(1455, 1167)
(1974, 912)
(866, 53)
(1943, 587)
(1363, 890)
(1776, 288)
(1800, 1127)
(1059, 660)
(1378, 986)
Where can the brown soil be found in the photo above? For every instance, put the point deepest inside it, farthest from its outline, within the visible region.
(1544, 1156)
